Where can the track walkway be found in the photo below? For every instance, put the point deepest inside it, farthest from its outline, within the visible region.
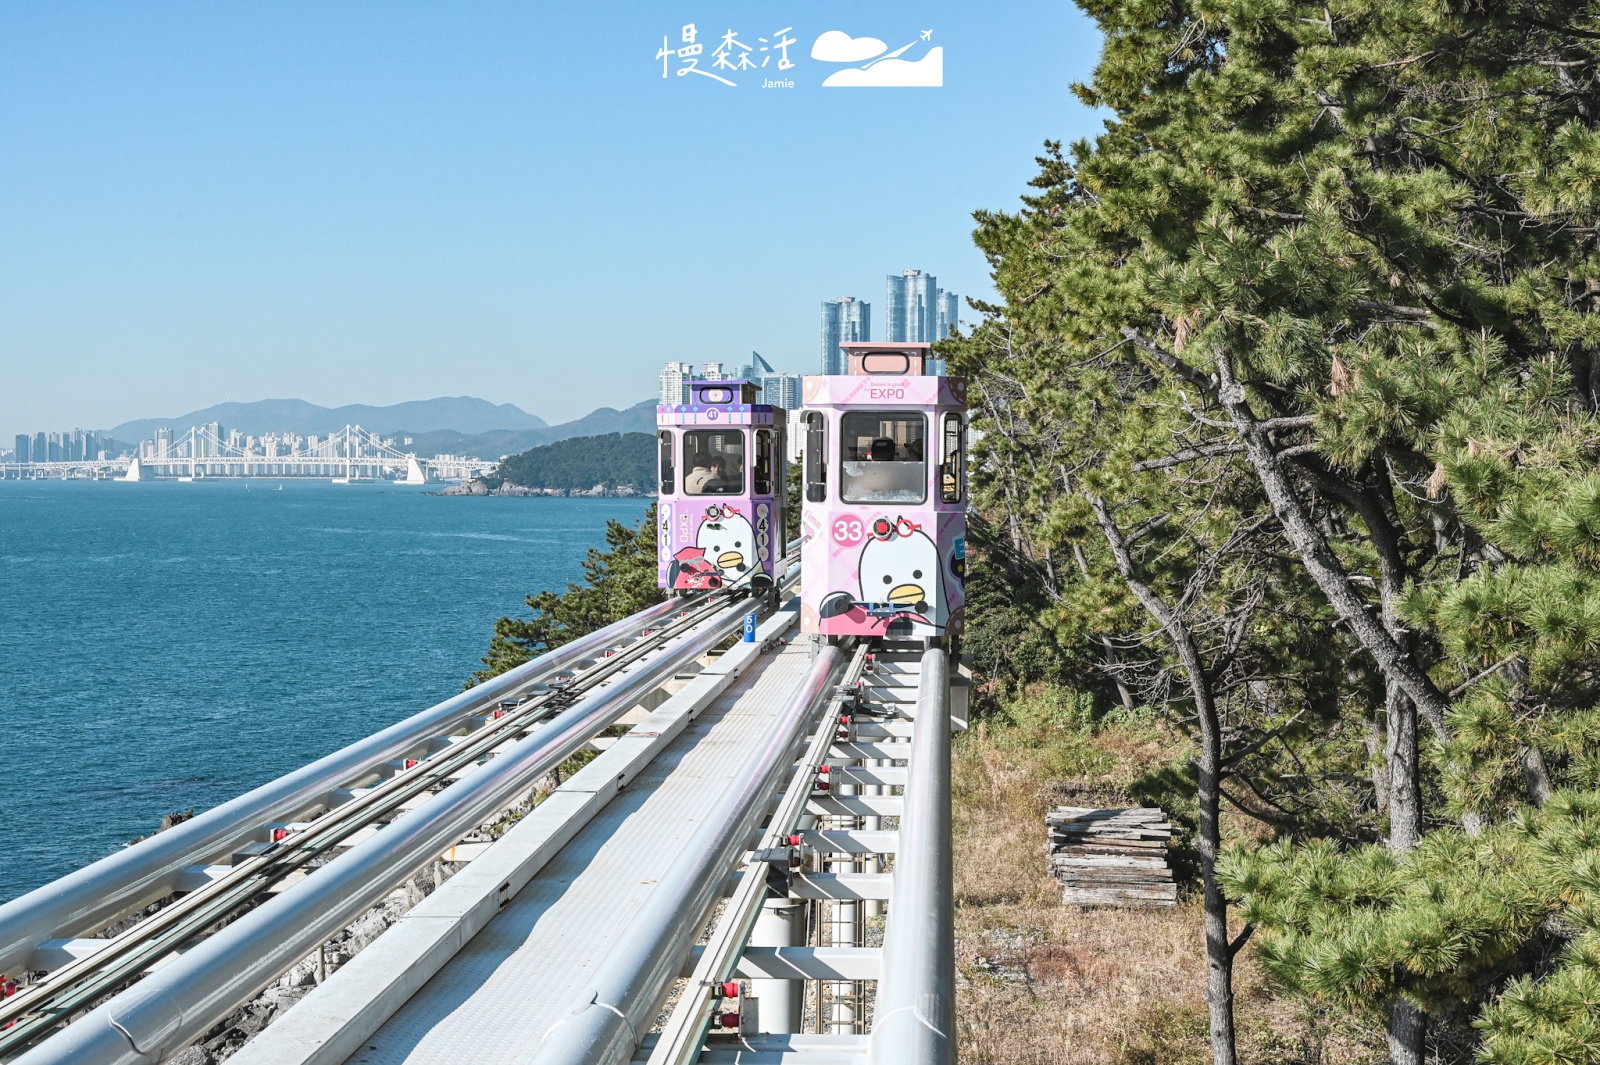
(589, 857)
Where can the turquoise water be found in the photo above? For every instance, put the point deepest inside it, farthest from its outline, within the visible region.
(166, 645)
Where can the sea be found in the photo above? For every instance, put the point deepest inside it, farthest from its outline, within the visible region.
(165, 646)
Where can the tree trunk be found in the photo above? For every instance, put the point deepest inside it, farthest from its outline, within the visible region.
(1324, 566)
(1125, 693)
(1535, 776)
(1376, 743)
(1405, 792)
(1407, 1029)
(1219, 952)
(1321, 563)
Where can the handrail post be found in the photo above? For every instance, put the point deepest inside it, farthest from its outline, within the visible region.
(914, 1019)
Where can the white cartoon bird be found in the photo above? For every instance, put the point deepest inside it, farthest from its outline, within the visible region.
(902, 569)
(729, 543)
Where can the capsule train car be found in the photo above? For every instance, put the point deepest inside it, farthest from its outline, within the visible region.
(884, 488)
(721, 466)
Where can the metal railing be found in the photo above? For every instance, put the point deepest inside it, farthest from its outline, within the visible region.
(914, 1017)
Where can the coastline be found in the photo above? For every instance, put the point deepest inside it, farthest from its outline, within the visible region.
(479, 487)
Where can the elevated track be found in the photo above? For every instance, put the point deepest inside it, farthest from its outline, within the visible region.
(754, 867)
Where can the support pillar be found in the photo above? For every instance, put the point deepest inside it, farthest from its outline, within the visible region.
(778, 1002)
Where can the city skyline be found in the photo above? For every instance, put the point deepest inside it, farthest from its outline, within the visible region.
(777, 388)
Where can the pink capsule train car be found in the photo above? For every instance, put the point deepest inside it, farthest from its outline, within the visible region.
(721, 463)
(884, 518)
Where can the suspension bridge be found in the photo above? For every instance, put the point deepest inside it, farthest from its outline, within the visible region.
(755, 866)
(351, 454)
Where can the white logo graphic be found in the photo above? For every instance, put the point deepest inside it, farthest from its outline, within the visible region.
(733, 56)
(881, 71)
(837, 46)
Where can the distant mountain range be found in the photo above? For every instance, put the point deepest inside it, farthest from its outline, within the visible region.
(465, 414)
(639, 418)
(460, 425)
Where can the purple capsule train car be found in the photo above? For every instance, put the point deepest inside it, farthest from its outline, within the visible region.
(884, 522)
(721, 465)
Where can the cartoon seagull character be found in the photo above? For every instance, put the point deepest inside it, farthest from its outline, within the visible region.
(729, 541)
(902, 569)
(901, 581)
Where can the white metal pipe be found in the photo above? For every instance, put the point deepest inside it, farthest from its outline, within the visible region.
(179, 1001)
(914, 1018)
(778, 1002)
(87, 899)
(616, 1010)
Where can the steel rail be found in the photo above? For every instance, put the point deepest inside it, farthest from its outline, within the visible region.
(181, 1000)
(686, 1027)
(40, 1007)
(914, 1016)
(91, 897)
(615, 1012)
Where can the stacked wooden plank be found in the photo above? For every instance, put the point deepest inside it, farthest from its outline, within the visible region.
(1111, 857)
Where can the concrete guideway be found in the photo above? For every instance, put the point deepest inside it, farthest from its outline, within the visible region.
(588, 860)
(470, 976)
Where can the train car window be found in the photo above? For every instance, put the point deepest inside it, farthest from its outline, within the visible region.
(816, 471)
(885, 362)
(714, 462)
(763, 466)
(883, 457)
(716, 395)
(951, 460)
(669, 478)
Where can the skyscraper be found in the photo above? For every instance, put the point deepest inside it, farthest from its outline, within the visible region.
(843, 319)
(24, 448)
(674, 390)
(949, 313)
(779, 389)
(919, 311)
(712, 371)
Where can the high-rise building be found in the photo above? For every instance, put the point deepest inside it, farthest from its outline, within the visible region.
(712, 371)
(674, 387)
(949, 314)
(24, 448)
(163, 442)
(41, 448)
(782, 390)
(843, 319)
(913, 300)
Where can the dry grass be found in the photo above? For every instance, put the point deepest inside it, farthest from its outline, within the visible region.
(1044, 984)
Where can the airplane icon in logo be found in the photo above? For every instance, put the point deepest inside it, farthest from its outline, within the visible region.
(927, 35)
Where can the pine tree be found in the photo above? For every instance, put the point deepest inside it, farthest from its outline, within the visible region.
(1343, 257)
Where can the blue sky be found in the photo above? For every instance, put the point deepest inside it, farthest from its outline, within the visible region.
(379, 202)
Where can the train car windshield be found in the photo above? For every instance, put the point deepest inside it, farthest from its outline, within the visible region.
(714, 461)
(883, 457)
